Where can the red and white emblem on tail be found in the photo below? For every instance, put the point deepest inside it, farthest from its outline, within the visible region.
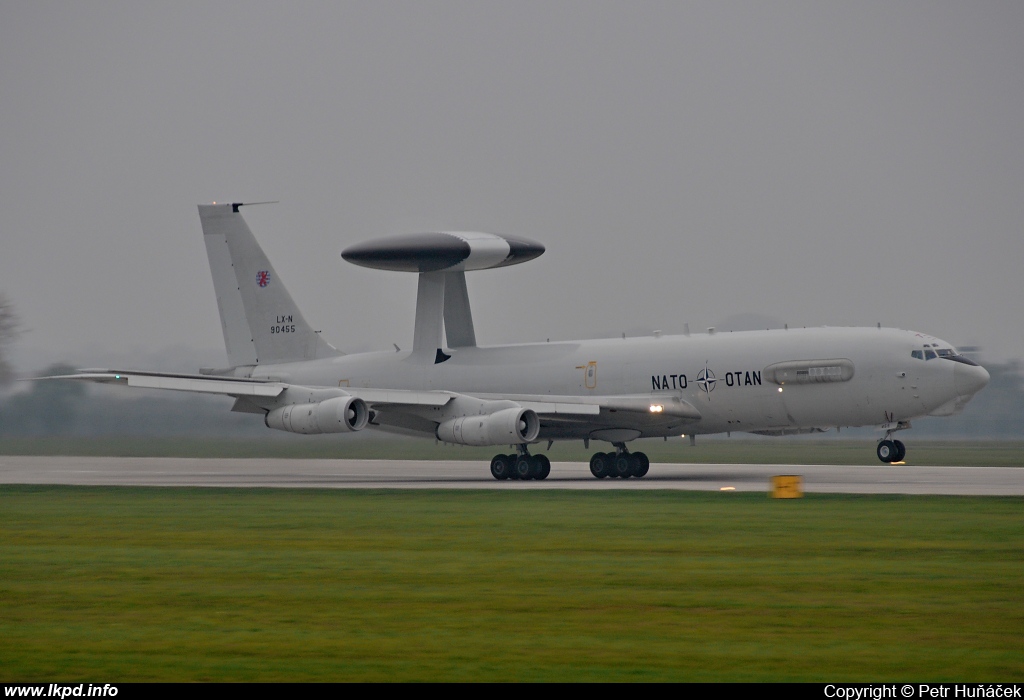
(263, 278)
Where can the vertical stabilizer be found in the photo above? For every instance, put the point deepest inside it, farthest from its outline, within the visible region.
(260, 321)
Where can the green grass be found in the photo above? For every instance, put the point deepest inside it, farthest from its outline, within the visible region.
(260, 585)
(713, 450)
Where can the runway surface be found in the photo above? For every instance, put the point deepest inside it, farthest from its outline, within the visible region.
(324, 473)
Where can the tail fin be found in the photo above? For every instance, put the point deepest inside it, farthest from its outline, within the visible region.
(260, 321)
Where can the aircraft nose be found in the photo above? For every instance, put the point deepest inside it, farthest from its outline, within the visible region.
(969, 379)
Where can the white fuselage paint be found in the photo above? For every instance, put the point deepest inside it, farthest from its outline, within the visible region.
(888, 384)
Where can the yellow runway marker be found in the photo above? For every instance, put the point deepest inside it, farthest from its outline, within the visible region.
(787, 486)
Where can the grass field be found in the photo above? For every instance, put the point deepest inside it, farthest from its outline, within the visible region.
(221, 584)
(707, 450)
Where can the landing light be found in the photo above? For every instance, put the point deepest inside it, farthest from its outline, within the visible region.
(780, 389)
(727, 488)
(657, 408)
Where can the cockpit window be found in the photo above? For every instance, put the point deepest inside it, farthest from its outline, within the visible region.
(944, 353)
(962, 359)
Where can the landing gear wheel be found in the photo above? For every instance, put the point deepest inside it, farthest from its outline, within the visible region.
(645, 465)
(535, 467)
(887, 451)
(512, 459)
(638, 464)
(634, 465)
(621, 466)
(543, 467)
(599, 465)
(501, 468)
(901, 450)
(525, 467)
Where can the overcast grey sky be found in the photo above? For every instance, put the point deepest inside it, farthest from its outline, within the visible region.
(818, 163)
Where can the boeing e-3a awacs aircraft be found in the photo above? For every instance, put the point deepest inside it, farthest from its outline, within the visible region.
(776, 382)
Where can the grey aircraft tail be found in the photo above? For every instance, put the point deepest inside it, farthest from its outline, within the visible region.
(260, 321)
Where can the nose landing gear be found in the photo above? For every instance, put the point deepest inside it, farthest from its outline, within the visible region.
(890, 451)
(621, 464)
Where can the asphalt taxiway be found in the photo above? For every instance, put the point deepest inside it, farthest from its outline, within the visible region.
(404, 474)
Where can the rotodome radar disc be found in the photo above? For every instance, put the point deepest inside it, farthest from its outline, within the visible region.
(448, 251)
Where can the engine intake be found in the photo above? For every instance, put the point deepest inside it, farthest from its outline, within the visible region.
(342, 414)
(509, 426)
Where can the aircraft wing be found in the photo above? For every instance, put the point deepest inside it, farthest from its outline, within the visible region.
(653, 405)
(411, 410)
(201, 383)
(561, 417)
(609, 417)
(245, 387)
(378, 398)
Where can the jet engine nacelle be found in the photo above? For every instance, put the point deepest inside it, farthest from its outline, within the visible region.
(509, 426)
(341, 414)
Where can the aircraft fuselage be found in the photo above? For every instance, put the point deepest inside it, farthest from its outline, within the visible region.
(836, 376)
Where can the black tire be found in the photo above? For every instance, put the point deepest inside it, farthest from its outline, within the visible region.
(636, 464)
(500, 467)
(524, 467)
(535, 468)
(512, 466)
(544, 467)
(645, 465)
(901, 450)
(886, 451)
(599, 465)
(621, 466)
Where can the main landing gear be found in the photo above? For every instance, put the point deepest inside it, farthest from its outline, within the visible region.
(890, 450)
(620, 464)
(521, 466)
